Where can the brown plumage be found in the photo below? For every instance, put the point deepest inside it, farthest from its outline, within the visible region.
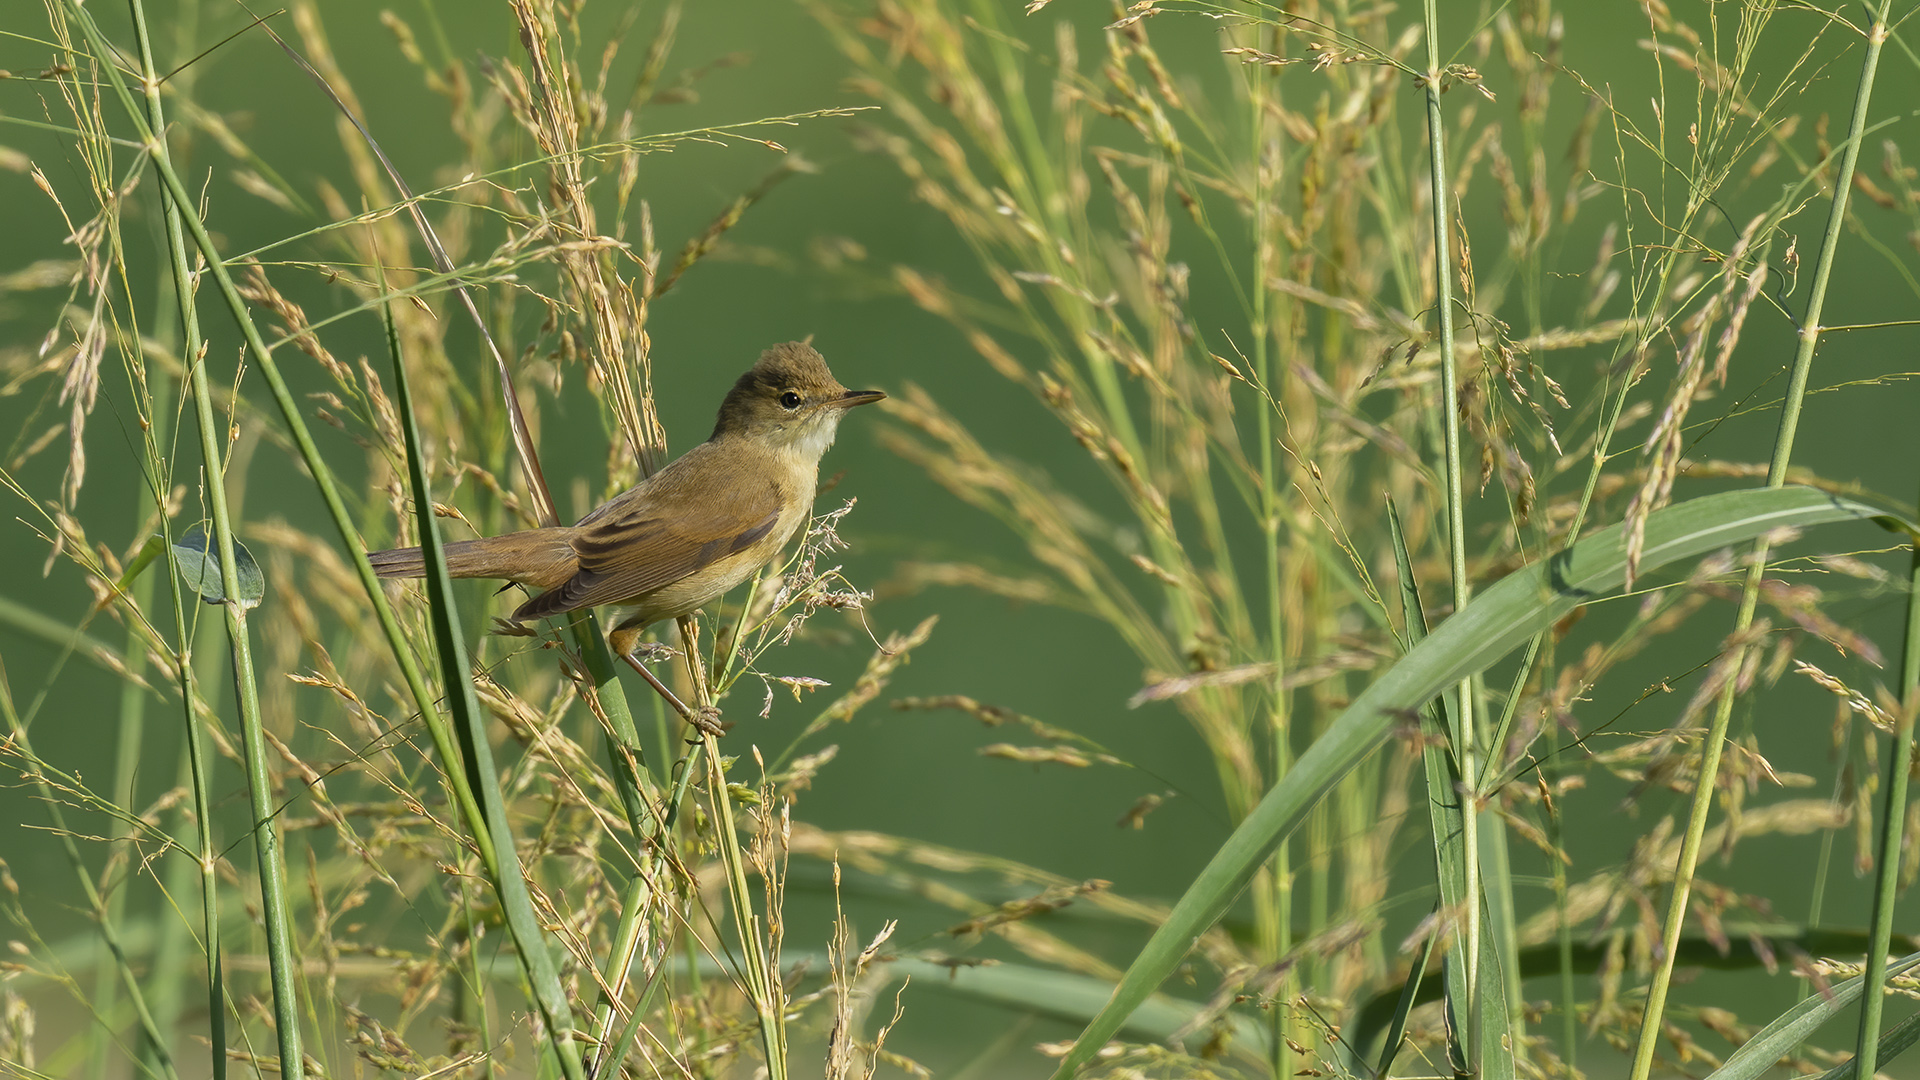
(685, 535)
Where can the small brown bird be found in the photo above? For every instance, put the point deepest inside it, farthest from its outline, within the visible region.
(685, 535)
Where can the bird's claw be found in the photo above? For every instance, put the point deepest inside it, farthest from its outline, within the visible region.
(707, 720)
(653, 652)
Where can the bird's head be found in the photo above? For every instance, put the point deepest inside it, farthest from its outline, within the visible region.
(790, 399)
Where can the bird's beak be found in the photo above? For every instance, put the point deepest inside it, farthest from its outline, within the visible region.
(854, 397)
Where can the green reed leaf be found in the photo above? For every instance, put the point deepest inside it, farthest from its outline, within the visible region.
(1494, 624)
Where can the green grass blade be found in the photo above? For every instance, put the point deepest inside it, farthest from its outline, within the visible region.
(1500, 620)
(1443, 808)
(1713, 745)
(1409, 997)
(1495, 1060)
(470, 723)
(1893, 820)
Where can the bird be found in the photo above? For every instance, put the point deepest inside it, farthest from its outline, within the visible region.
(683, 537)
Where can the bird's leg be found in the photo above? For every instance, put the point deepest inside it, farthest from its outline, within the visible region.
(626, 642)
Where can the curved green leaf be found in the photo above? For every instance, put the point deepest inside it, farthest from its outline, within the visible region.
(199, 565)
(1499, 620)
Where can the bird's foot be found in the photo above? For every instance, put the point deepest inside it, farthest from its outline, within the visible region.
(653, 652)
(707, 720)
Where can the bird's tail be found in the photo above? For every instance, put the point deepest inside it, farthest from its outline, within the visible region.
(542, 558)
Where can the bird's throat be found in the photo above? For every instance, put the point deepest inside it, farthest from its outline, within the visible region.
(811, 439)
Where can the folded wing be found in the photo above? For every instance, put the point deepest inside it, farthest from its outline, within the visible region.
(633, 546)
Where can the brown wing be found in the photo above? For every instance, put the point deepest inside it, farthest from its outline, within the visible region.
(655, 535)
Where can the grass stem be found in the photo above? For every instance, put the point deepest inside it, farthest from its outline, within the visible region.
(1706, 780)
(1463, 734)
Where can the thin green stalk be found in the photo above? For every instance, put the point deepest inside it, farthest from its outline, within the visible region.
(1497, 854)
(1319, 860)
(274, 904)
(194, 356)
(1462, 715)
(763, 982)
(1823, 863)
(472, 991)
(1809, 334)
(167, 972)
(1275, 918)
(1893, 817)
(722, 663)
(173, 940)
(1569, 1020)
(129, 735)
(764, 987)
(195, 763)
(1490, 777)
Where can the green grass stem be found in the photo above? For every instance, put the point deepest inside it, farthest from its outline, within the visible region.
(275, 905)
(1463, 733)
(1893, 813)
(1706, 781)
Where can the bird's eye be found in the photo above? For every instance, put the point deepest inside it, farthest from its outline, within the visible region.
(789, 400)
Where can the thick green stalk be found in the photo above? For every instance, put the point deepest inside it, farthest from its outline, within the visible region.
(206, 852)
(1893, 816)
(1273, 890)
(1462, 734)
(1893, 819)
(1710, 753)
(417, 686)
(274, 903)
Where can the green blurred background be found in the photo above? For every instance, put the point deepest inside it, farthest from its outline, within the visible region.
(912, 774)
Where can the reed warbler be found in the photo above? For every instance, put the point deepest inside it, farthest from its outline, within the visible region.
(687, 534)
